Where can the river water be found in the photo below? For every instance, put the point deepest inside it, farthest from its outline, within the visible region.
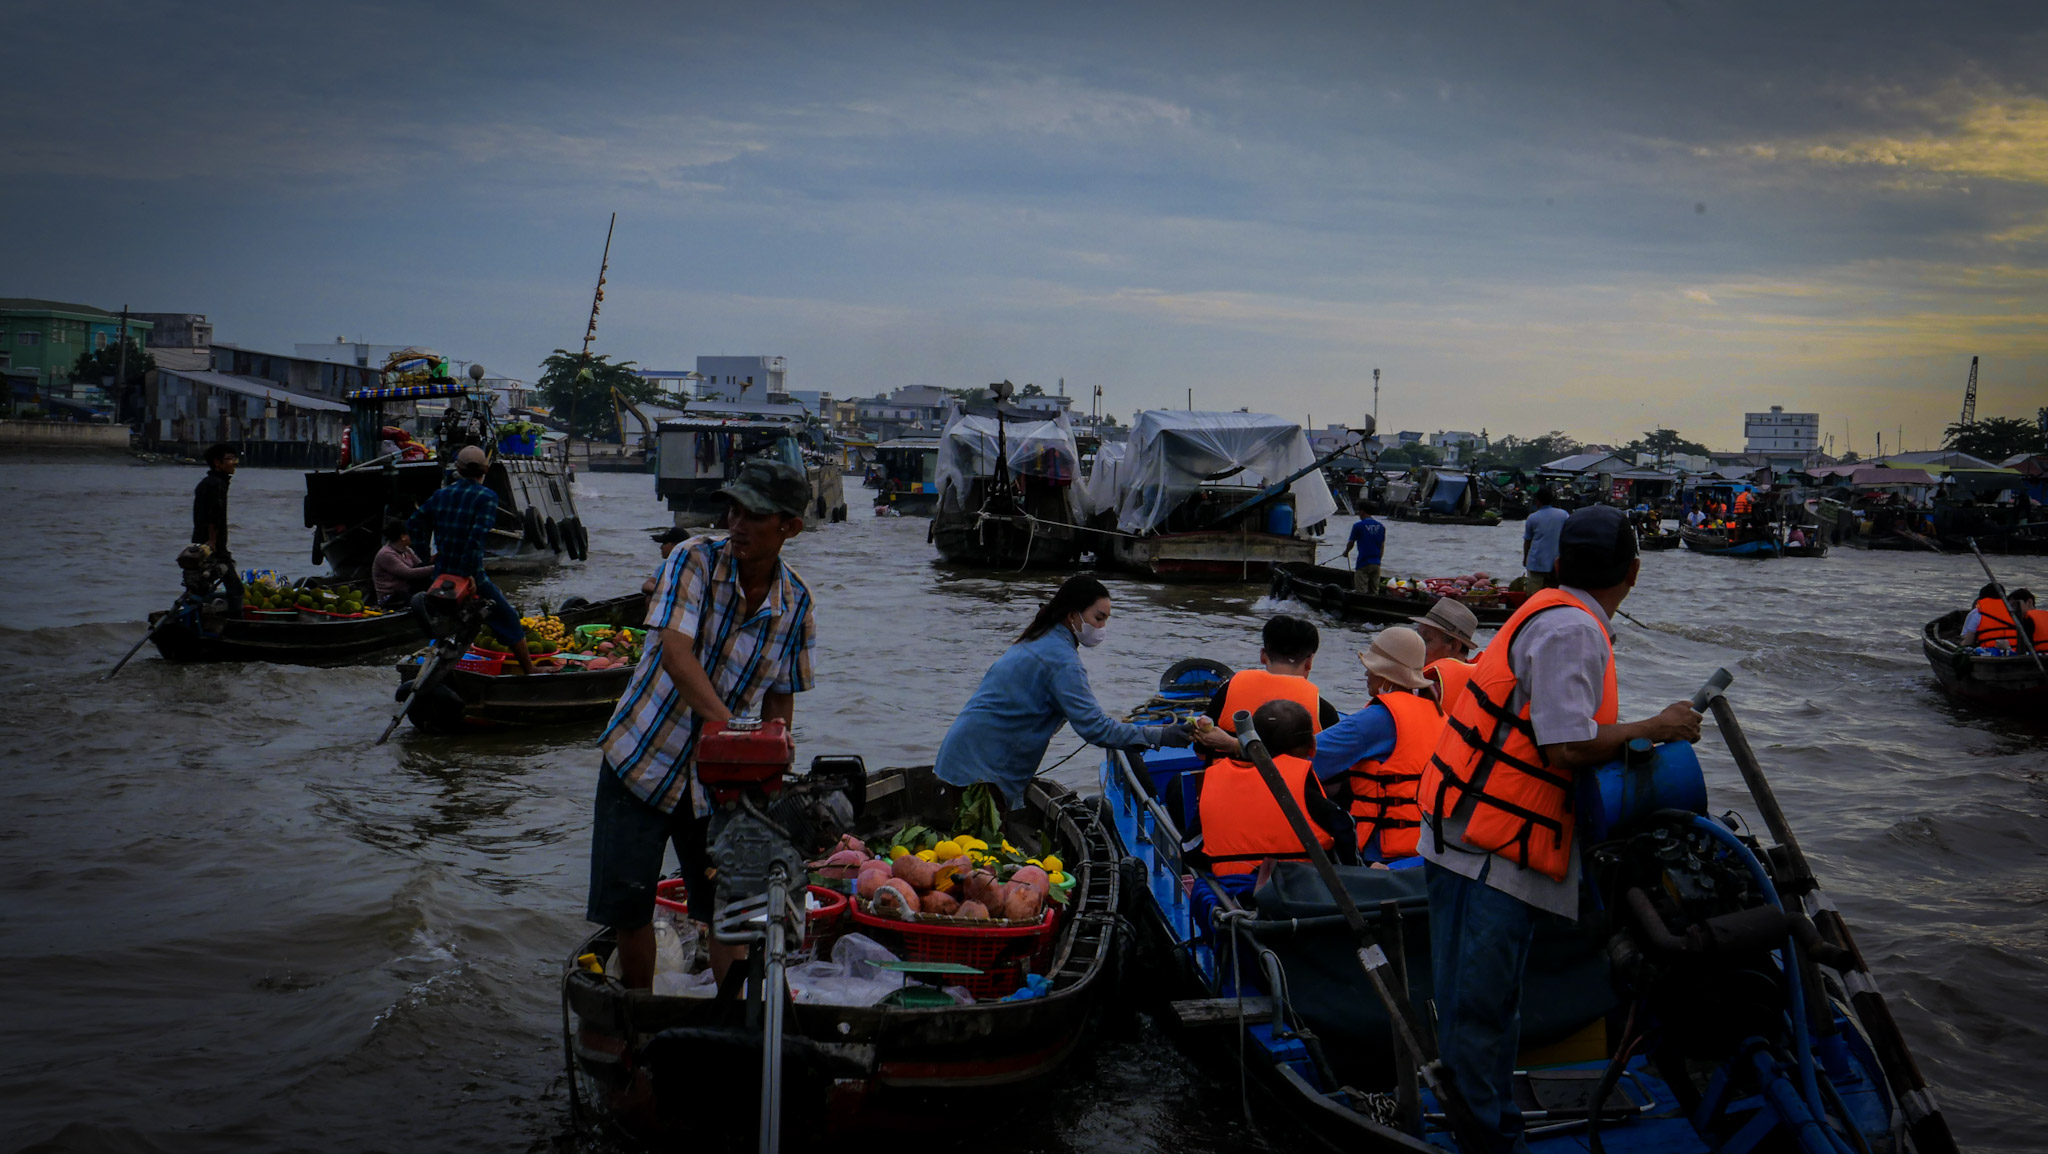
(229, 922)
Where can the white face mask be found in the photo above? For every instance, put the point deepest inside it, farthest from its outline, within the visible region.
(1092, 635)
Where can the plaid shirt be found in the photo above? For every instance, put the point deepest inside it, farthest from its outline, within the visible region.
(651, 741)
(461, 516)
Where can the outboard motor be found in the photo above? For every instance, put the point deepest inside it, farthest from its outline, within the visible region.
(451, 613)
(203, 575)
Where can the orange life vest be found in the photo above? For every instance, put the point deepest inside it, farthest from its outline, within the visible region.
(1451, 677)
(2037, 626)
(1251, 688)
(1241, 823)
(1383, 792)
(1994, 625)
(1522, 808)
(1742, 502)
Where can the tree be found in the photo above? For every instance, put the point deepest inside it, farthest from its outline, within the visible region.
(1030, 390)
(1662, 443)
(1994, 439)
(579, 392)
(1512, 452)
(102, 365)
(1849, 458)
(1415, 454)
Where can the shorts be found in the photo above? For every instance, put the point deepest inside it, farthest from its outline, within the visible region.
(503, 619)
(1538, 581)
(1366, 578)
(627, 837)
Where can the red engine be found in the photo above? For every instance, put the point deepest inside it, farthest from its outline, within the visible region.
(744, 752)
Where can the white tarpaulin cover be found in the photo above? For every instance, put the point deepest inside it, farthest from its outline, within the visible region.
(967, 449)
(1099, 491)
(1171, 453)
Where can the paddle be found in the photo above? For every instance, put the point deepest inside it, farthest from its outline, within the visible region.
(2019, 625)
(1924, 1118)
(166, 619)
(1386, 981)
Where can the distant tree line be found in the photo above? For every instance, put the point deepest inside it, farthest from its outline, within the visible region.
(1994, 439)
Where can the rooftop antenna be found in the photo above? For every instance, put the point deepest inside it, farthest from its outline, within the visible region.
(1970, 396)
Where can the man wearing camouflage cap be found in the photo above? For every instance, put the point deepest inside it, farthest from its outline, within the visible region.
(729, 626)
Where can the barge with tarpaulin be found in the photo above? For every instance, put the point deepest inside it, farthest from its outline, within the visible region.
(1209, 497)
(1710, 998)
(1334, 591)
(958, 1014)
(704, 448)
(1440, 497)
(1007, 499)
(384, 473)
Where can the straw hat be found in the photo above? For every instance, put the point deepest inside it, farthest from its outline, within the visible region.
(1397, 655)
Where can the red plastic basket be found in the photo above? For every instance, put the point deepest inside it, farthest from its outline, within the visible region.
(1003, 954)
(673, 895)
(478, 661)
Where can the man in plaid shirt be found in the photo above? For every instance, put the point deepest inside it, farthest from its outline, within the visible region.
(453, 523)
(729, 624)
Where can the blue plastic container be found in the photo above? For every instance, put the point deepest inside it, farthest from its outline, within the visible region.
(1614, 796)
(516, 445)
(1280, 522)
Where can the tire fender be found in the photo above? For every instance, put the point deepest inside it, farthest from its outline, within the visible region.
(554, 535)
(536, 533)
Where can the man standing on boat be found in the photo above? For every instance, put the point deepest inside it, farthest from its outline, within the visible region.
(730, 625)
(1499, 844)
(1539, 540)
(1370, 539)
(210, 519)
(453, 525)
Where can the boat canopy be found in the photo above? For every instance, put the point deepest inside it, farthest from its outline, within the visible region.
(414, 392)
(967, 449)
(1099, 491)
(1445, 494)
(1172, 453)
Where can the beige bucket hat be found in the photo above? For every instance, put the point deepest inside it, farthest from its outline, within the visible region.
(1397, 655)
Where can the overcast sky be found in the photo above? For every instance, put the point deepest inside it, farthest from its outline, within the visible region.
(1599, 220)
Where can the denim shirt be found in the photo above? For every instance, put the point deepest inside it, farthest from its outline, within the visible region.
(1033, 688)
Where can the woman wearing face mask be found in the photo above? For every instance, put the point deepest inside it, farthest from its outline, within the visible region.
(1036, 686)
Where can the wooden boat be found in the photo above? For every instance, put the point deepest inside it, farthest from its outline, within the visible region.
(1445, 497)
(700, 451)
(1006, 499)
(1656, 542)
(1995, 684)
(904, 477)
(1330, 589)
(1271, 984)
(302, 638)
(852, 1066)
(346, 507)
(504, 697)
(1722, 543)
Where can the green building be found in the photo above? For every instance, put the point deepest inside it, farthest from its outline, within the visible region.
(45, 337)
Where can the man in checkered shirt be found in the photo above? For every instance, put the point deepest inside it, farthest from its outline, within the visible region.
(729, 625)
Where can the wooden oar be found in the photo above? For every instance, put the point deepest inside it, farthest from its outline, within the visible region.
(1923, 1117)
(1386, 980)
(2019, 624)
(160, 623)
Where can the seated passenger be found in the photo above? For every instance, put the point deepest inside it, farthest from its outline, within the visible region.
(1287, 656)
(1989, 626)
(1238, 824)
(1378, 752)
(397, 573)
(2036, 619)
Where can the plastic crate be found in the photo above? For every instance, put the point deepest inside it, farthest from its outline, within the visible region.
(1003, 954)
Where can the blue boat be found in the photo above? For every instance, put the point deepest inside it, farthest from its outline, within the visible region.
(1710, 999)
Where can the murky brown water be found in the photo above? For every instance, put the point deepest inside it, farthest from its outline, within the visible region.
(228, 922)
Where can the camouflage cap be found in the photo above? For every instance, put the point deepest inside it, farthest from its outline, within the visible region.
(770, 487)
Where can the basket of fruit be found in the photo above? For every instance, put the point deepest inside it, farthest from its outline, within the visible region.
(602, 647)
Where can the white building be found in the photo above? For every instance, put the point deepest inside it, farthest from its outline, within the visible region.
(742, 378)
(1781, 434)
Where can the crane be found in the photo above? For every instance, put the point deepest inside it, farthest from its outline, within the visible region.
(1970, 396)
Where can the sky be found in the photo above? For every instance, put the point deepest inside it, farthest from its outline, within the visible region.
(1595, 218)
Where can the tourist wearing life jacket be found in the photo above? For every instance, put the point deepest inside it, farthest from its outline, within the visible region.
(1498, 840)
(1238, 825)
(1989, 626)
(1378, 753)
(2036, 619)
(1286, 657)
(1449, 630)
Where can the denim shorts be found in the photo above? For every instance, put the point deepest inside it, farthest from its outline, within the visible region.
(627, 837)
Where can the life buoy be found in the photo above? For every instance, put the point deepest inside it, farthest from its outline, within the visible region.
(536, 533)
(554, 535)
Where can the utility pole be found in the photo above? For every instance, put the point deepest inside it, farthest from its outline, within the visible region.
(121, 371)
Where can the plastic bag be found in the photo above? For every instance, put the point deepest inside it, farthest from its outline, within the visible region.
(679, 985)
(849, 979)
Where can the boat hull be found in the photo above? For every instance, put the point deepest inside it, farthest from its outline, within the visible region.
(1331, 590)
(513, 699)
(873, 1066)
(537, 526)
(1224, 555)
(305, 641)
(1721, 545)
(2013, 685)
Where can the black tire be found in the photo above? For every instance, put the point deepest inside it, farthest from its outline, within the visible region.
(536, 533)
(1171, 679)
(554, 533)
(319, 554)
(582, 539)
(574, 538)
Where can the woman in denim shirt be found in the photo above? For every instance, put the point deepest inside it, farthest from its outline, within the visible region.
(1036, 686)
